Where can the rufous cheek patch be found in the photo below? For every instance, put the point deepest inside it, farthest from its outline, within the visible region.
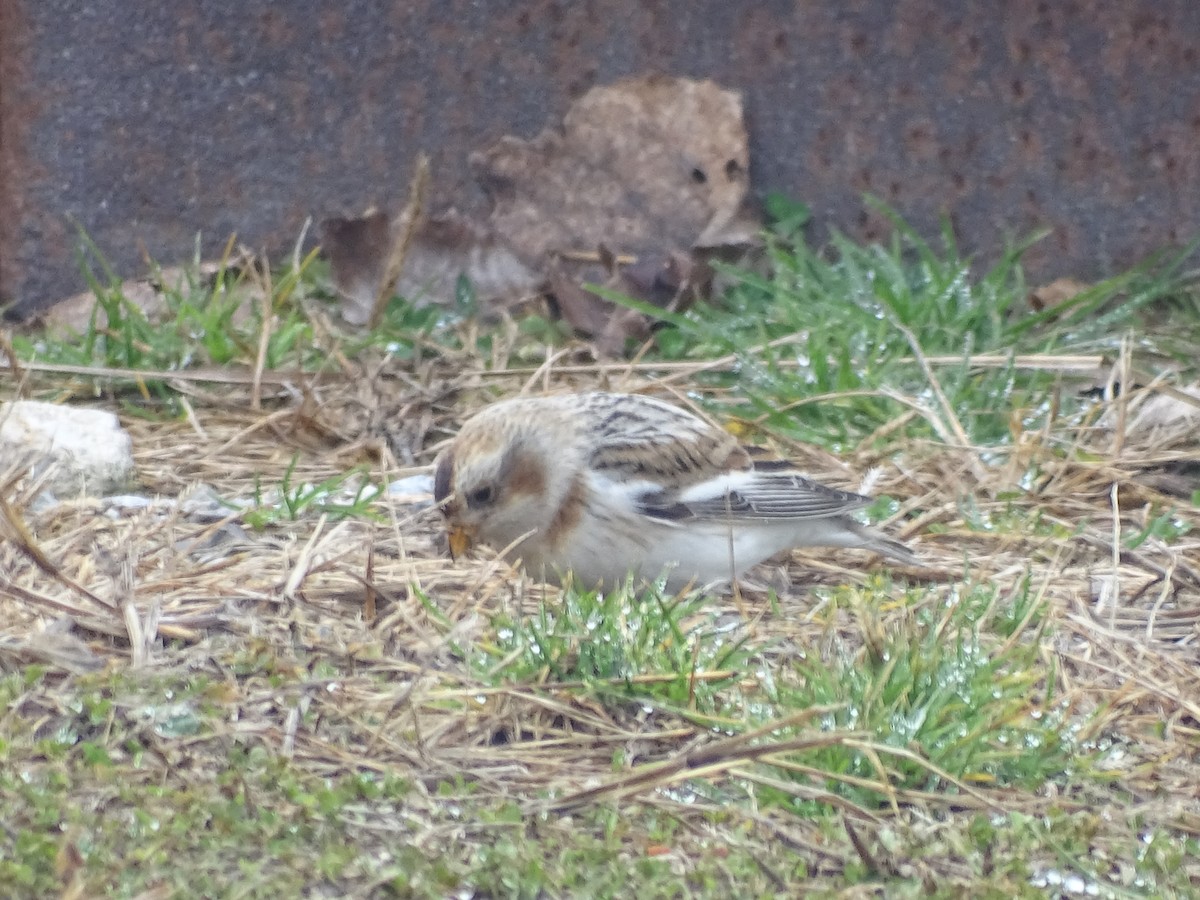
(526, 475)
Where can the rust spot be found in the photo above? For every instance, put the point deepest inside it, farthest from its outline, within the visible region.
(920, 139)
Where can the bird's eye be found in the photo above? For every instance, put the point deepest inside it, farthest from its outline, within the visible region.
(481, 496)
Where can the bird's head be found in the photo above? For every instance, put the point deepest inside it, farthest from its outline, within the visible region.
(503, 478)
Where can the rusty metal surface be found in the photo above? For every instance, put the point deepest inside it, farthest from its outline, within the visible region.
(149, 122)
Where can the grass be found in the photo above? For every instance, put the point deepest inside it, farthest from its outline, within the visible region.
(354, 832)
(682, 652)
(345, 495)
(828, 340)
(206, 321)
(326, 705)
(954, 675)
(241, 314)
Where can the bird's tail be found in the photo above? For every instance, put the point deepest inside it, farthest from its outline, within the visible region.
(889, 547)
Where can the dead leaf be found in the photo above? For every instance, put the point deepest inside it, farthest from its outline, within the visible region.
(653, 168)
(591, 314)
(150, 295)
(1056, 293)
(645, 164)
(357, 249)
(75, 312)
(443, 248)
(1159, 408)
(1160, 422)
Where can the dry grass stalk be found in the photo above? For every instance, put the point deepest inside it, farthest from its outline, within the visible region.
(404, 228)
(382, 603)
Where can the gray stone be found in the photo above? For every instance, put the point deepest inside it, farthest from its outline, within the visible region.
(79, 452)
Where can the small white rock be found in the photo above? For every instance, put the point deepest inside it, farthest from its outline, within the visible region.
(87, 451)
(413, 484)
(415, 490)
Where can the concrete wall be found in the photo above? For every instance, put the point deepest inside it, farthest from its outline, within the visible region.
(147, 122)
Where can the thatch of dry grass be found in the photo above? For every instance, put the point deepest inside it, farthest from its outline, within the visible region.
(342, 645)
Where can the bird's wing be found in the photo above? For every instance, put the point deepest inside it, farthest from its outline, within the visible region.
(754, 495)
(682, 467)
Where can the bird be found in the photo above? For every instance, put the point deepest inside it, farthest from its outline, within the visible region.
(604, 485)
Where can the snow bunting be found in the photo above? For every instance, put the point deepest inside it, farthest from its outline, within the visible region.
(602, 485)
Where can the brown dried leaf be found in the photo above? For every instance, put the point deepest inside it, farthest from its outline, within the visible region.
(594, 316)
(148, 294)
(652, 168)
(1056, 293)
(671, 283)
(357, 248)
(443, 248)
(643, 165)
(1164, 408)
